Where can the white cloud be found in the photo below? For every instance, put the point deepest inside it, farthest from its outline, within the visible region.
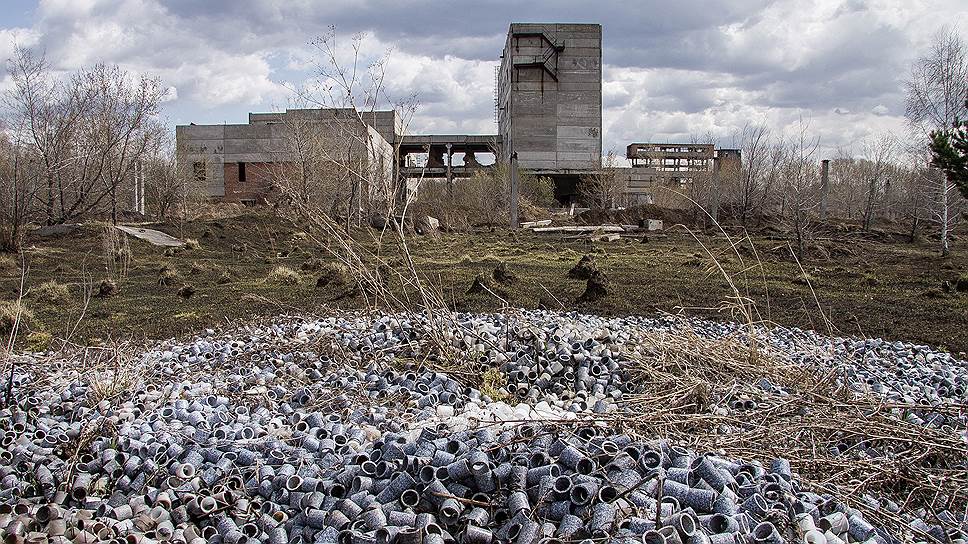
(171, 94)
(693, 71)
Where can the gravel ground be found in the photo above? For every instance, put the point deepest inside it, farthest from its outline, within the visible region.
(336, 430)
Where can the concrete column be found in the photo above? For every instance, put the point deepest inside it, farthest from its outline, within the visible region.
(716, 188)
(450, 177)
(138, 188)
(514, 190)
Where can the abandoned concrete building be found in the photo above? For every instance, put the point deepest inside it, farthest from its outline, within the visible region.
(674, 166)
(242, 162)
(549, 101)
(548, 108)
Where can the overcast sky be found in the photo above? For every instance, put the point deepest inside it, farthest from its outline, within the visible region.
(672, 69)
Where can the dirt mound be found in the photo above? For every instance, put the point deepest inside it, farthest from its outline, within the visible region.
(596, 288)
(481, 284)
(584, 269)
(504, 275)
(632, 216)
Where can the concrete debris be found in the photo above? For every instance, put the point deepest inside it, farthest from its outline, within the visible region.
(51, 231)
(151, 236)
(580, 228)
(428, 225)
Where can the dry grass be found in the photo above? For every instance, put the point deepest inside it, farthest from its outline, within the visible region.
(51, 292)
(10, 312)
(822, 428)
(192, 244)
(283, 275)
(116, 252)
(8, 262)
(493, 385)
(38, 341)
(335, 274)
(168, 276)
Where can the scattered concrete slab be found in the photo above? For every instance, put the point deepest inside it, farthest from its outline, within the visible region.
(590, 228)
(56, 230)
(154, 237)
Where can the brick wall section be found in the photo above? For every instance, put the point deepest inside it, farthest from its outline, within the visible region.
(257, 185)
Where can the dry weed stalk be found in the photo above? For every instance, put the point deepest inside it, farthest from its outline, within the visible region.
(116, 251)
(828, 433)
(8, 362)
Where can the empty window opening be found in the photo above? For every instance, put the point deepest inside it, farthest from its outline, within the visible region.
(198, 170)
(241, 172)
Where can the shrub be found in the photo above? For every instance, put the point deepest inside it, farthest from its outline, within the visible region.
(191, 243)
(283, 275)
(51, 292)
(503, 275)
(597, 287)
(584, 269)
(483, 199)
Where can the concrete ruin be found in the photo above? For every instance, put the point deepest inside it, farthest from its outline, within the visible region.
(549, 101)
(674, 166)
(548, 108)
(241, 162)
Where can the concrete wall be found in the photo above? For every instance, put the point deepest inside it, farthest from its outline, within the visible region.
(203, 144)
(552, 124)
(647, 186)
(268, 139)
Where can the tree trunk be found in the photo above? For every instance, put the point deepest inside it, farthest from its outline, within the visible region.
(114, 206)
(915, 223)
(945, 250)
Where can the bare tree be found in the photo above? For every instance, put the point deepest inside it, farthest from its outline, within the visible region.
(172, 191)
(366, 171)
(88, 131)
(913, 197)
(878, 156)
(845, 193)
(936, 91)
(19, 187)
(776, 156)
(749, 193)
(603, 188)
(801, 185)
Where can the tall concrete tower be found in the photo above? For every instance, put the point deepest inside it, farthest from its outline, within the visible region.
(549, 98)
